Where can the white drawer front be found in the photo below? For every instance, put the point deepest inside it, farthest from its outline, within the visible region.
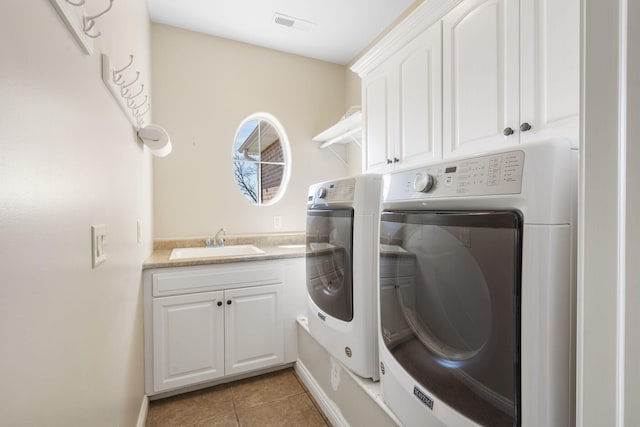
(215, 278)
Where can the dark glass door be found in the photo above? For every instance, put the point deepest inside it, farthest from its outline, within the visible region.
(329, 261)
(450, 307)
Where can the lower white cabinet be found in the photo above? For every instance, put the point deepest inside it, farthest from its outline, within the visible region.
(253, 328)
(209, 322)
(188, 339)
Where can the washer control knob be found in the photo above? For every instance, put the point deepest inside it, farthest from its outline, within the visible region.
(423, 182)
(321, 193)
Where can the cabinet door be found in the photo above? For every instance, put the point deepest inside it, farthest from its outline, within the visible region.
(420, 73)
(377, 127)
(254, 331)
(480, 75)
(550, 68)
(188, 339)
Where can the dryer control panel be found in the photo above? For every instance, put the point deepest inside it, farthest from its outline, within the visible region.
(473, 176)
(332, 191)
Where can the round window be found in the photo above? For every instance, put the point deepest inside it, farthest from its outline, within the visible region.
(261, 159)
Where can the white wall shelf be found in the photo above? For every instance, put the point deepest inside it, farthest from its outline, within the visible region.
(347, 130)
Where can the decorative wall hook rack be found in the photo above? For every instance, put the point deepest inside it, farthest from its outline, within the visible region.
(81, 25)
(132, 102)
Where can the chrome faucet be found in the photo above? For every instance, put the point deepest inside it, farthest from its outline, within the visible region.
(217, 240)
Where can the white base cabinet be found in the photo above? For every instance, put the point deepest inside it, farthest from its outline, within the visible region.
(206, 323)
(188, 339)
(254, 337)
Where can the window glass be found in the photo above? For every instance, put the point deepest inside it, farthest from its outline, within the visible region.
(261, 160)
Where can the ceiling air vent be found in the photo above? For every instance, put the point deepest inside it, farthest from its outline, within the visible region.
(293, 22)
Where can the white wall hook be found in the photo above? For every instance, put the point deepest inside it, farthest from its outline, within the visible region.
(117, 74)
(125, 67)
(72, 14)
(125, 93)
(135, 107)
(125, 86)
(90, 21)
(138, 114)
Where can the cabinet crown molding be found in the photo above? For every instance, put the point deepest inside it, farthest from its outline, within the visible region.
(425, 15)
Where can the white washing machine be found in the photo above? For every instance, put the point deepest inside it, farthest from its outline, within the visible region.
(342, 259)
(477, 289)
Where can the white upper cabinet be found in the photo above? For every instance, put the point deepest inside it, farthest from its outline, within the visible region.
(510, 73)
(402, 103)
(550, 69)
(420, 69)
(480, 74)
(459, 77)
(378, 151)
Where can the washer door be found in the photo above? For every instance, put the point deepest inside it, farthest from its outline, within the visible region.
(329, 261)
(449, 307)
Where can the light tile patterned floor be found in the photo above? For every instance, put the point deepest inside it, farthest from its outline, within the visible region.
(275, 399)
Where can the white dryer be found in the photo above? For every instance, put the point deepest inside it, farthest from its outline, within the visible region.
(341, 260)
(477, 289)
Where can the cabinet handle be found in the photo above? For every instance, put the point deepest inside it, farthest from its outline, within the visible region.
(525, 127)
(507, 131)
(396, 160)
(389, 161)
(219, 303)
(228, 302)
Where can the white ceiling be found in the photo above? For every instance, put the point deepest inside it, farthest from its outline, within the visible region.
(333, 30)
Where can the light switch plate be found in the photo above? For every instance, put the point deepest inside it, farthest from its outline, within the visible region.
(98, 244)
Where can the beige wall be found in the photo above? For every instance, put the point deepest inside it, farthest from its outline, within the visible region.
(71, 336)
(204, 87)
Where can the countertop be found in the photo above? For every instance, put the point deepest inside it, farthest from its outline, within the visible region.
(278, 246)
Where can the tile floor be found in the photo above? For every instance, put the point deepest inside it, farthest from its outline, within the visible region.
(275, 399)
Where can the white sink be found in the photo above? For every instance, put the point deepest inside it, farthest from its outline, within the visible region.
(200, 252)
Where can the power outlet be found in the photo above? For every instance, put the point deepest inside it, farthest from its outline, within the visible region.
(277, 222)
(98, 244)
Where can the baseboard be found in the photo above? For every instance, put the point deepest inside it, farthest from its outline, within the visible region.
(328, 407)
(144, 410)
